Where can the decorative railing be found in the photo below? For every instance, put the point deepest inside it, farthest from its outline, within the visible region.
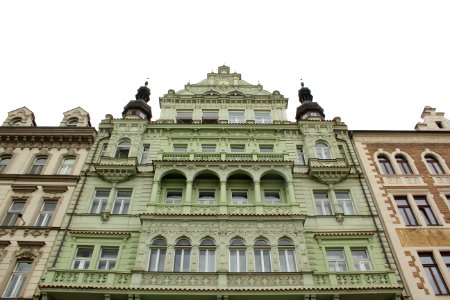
(175, 156)
(115, 169)
(214, 209)
(117, 161)
(327, 163)
(402, 180)
(369, 278)
(83, 277)
(222, 280)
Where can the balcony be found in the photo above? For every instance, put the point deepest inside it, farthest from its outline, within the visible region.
(114, 169)
(328, 171)
(219, 280)
(260, 157)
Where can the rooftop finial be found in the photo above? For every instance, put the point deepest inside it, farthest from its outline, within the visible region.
(301, 82)
(146, 82)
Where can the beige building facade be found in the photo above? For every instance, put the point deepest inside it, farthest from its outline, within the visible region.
(39, 169)
(409, 176)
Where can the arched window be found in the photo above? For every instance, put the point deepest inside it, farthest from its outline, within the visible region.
(238, 261)
(182, 259)
(323, 151)
(385, 164)
(72, 122)
(286, 253)
(4, 162)
(403, 164)
(15, 121)
(433, 165)
(38, 165)
(123, 148)
(207, 255)
(262, 256)
(157, 259)
(66, 166)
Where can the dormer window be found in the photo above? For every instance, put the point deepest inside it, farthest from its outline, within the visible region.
(210, 116)
(184, 116)
(72, 122)
(263, 117)
(15, 122)
(236, 116)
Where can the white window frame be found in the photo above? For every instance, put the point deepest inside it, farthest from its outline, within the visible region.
(122, 202)
(210, 116)
(361, 264)
(159, 252)
(110, 262)
(102, 201)
(346, 204)
(11, 216)
(17, 280)
(235, 200)
(263, 116)
(323, 151)
(145, 153)
(210, 252)
(84, 262)
(333, 261)
(236, 116)
(4, 162)
(174, 198)
(45, 216)
(38, 165)
(185, 252)
(286, 254)
(322, 204)
(264, 252)
(207, 199)
(302, 159)
(239, 250)
(272, 199)
(67, 165)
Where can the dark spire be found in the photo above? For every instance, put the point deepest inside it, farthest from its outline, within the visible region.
(143, 93)
(308, 108)
(304, 94)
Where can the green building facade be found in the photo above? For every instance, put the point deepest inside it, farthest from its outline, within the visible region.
(221, 198)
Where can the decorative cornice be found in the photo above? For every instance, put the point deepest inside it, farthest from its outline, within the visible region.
(40, 178)
(54, 189)
(347, 234)
(106, 234)
(30, 244)
(23, 188)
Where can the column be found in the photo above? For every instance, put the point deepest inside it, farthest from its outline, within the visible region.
(111, 198)
(223, 192)
(187, 199)
(334, 203)
(154, 193)
(257, 187)
(291, 192)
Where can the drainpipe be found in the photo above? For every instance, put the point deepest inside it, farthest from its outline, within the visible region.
(84, 177)
(372, 215)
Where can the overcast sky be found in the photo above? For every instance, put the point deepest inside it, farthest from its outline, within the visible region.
(375, 64)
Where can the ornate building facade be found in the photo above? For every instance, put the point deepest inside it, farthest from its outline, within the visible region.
(222, 198)
(39, 169)
(409, 176)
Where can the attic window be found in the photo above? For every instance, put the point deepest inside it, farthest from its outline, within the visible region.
(72, 122)
(15, 121)
(184, 116)
(439, 124)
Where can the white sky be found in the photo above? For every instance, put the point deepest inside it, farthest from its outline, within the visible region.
(375, 64)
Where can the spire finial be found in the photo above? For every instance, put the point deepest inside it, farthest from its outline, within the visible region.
(146, 82)
(301, 82)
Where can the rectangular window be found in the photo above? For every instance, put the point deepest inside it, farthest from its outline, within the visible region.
(266, 148)
(238, 262)
(446, 258)
(184, 116)
(174, 196)
(17, 280)
(336, 260)
(236, 116)
(207, 260)
(209, 148)
(433, 273)
(144, 155)
(425, 210)
(210, 116)
(323, 204)
(405, 210)
(12, 215)
(263, 117)
(82, 258)
(46, 213)
(287, 260)
(237, 148)
(272, 197)
(206, 197)
(182, 260)
(180, 148)
(122, 202)
(102, 152)
(262, 260)
(157, 259)
(345, 203)
(301, 156)
(239, 197)
(99, 201)
(108, 258)
(361, 260)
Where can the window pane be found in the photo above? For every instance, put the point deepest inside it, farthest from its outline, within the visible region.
(82, 258)
(433, 274)
(345, 202)
(385, 164)
(323, 151)
(108, 257)
(239, 197)
(238, 148)
(66, 166)
(272, 197)
(262, 116)
(12, 215)
(323, 204)
(46, 213)
(236, 116)
(403, 164)
(361, 260)
(17, 279)
(99, 201)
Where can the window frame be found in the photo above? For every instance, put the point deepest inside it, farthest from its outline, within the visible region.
(265, 192)
(335, 262)
(201, 200)
(159, 252)
(426, 211)
(286, 255)
(358, 262)
(434, 165)
(124, 202)
(180, 148)
(185, 252)
(210, 116)
(237, 148)
(323, 150)
(184, 116)
(263, 117)
(324, 204)
(145, 154)
(301, 155)
(5, 161)
(209, 148)
(83, 261)
(345, 203)
(263, 251)
(237, 245)
(123, 149)
(210, 251)
(102, 200)
(385, 164)
(432, 271)
(13, 215)
(47, 215)
(406, 211)
(38, 165)
(403, 164)
(236, 116)
(239, 202)
(266, 148)
(173, 191)
(15, 290)
(67, 168)
(108, 260)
